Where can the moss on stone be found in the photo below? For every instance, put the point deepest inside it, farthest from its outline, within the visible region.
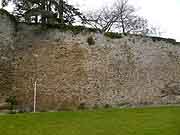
(113, 35)
(90, 40)
(64, 28)
(168, 40)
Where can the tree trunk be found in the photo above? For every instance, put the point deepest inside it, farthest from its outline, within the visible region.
(61, 11)
(49, 9)
(123, 27)
(43, 2)
(36, 19)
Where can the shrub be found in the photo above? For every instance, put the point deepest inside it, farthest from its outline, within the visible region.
(74, 29)
(107, 106)
(113, 35)
(96, 106)
(90, 40)
(11, 100)
(82, 106)
(168, 40)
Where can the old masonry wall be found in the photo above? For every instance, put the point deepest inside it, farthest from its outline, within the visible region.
(71, 74)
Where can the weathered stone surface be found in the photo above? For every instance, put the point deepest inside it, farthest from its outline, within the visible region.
(71, 74)
(118, 72)
(7, 35)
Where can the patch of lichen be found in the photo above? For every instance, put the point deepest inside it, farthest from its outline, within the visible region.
(174, 56)
(129, 55)
(6, 75)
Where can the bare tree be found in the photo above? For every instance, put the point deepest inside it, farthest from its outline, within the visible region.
(155, 31)
(102, 19)
(119, 16)
(133, 25)
(107, 17)
(125, 13)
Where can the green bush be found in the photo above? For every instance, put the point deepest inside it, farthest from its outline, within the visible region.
(62, 28)
(96, 106)
(74, 29)
(114, 35)
(90, 40)
(107, 106)
(11, 100)
(82, 106)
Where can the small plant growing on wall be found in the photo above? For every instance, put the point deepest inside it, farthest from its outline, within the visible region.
(11, 100)
(82, 106)
(90, 40)
(114, 35)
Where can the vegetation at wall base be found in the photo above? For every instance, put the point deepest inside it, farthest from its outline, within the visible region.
(11, 100)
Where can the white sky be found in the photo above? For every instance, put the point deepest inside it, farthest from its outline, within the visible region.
(164, 14)
(161, 13)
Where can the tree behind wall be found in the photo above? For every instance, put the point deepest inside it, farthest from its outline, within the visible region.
(120, 16)
(45, 11)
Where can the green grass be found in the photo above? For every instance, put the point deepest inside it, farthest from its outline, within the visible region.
(142, 121)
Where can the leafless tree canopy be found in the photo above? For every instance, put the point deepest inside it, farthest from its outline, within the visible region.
(119, 16)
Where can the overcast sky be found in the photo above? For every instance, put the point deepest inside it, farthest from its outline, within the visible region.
(161, 13)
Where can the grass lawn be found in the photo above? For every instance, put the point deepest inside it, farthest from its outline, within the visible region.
(142, 121)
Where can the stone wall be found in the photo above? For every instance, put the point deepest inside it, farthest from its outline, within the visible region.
(7, 36)
(70, 73)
